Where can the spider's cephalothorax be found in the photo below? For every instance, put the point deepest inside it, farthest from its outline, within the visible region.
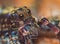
(23, 13)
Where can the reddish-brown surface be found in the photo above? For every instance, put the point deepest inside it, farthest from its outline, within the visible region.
(47, 38)
(47, 41)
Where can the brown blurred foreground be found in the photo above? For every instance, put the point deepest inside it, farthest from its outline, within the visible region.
(47, 38)
(48, 41)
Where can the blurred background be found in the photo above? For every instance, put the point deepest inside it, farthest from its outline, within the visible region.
(44, 8)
